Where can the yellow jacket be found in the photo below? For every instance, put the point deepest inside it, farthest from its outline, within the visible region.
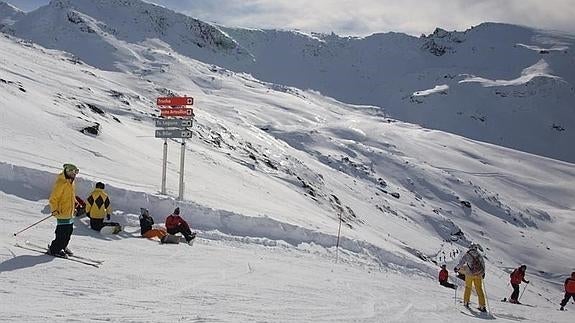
(63, 198)
(98, 204)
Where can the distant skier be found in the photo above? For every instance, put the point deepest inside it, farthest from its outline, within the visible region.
(517, 276)
(98, 207)
(147, 227)
(472, 266)
(62, 203)
(569, 290)
(443, 277)
(175, 224)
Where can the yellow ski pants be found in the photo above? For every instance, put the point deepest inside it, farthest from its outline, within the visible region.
(478, 282)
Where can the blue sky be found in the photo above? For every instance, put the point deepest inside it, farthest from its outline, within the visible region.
(364, 17)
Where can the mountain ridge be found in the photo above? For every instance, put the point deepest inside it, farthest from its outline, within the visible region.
(385, 70)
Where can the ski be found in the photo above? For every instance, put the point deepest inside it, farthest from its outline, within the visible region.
(505, 300)
(477, 313)
(45, 250)
(73, 256)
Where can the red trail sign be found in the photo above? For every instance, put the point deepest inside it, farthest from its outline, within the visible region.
(175, 100)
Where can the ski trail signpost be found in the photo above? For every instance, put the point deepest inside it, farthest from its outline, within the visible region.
(170, 108)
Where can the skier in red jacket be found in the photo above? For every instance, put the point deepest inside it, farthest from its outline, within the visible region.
(517, 276)
(569, 290)
(443, 276)
(175, 224)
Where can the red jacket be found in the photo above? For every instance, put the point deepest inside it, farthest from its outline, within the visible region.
(517, 276)
(570, 285)
(173, 221)
(443, 274)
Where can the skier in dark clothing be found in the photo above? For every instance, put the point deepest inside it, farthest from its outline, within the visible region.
(517, 276)
(569, 290)
(175, 224)
(147, 226)
(443, 277)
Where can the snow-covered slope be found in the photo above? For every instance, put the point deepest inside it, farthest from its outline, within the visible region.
(274, 166)
(503, 84)
(112, 34)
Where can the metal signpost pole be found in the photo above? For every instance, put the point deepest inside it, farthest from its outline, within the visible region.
(164, 166)
(182, 155)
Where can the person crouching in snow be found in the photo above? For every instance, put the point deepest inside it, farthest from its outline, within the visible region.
(569, 290)
(147, 227)
(517, 276)
(472, 266)
(98, 206)
(443, 277)
(175, 224)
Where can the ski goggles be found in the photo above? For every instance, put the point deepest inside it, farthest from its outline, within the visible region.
(74, 171)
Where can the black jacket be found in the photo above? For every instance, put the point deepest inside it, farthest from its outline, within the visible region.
(146, 223)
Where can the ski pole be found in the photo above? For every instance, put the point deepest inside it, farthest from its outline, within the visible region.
(337, 243)
(524, 288)
(455, 297)
(485, 294)
(28, 227)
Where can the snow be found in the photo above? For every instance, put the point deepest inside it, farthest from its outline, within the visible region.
(540, 49)
(539, 69)
(437, 89)
(270, 170)
(491, 62)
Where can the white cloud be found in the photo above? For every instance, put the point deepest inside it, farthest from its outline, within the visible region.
(364, 17)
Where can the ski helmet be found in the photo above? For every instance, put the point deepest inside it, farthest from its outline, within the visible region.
(71, 168)
(476, 246)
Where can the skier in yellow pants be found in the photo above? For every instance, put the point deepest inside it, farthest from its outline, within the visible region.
(472, 266)
(478, 282)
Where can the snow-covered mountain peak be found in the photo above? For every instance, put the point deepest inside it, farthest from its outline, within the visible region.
(115, 25)
(9, 14)
(60, 4)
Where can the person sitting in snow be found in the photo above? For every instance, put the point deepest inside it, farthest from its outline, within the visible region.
(98, 206)
(517, 276)
(147, 227)
(472, 266)
(569, 290)
(443, 277)
(175, 224)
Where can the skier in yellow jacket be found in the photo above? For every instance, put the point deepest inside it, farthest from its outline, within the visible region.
(98, 206)
(62, 202)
